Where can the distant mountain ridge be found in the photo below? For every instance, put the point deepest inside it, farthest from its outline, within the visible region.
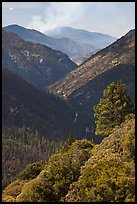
(36, 63)
(66, 45)
(99, 40)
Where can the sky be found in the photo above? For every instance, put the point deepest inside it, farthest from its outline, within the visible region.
(112, 18)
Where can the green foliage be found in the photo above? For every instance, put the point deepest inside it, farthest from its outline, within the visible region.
(32, 170)
(8, 199)
(13, 190)
(22, 146)
(59, 172)
(112, 108)
(65, 147)
(109, 174)
(127, 142)
(83, 172)
(32, 192)
(107, 181)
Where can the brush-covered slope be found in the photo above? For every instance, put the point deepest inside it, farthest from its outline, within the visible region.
(120, 52)
(36, 63)
(109, 174)
(25, 105)
(83, 87)
(52, 182)
(82, 172)
(66, 45)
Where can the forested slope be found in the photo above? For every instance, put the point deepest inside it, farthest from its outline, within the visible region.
(82, 172)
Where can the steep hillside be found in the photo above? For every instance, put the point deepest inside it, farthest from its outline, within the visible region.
(82, 172)
(83, 87)
(99, 40)
(109, 174)
(66, 45)
(25, 105)
(120, 52)
(34, 124)
(81, 60)
(38, 64)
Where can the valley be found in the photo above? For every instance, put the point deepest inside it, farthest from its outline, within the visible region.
(50, 151)
(83, 87)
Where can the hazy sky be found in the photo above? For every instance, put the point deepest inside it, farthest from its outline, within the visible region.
(113, 18)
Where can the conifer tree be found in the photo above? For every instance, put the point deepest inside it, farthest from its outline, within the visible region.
(112, 108)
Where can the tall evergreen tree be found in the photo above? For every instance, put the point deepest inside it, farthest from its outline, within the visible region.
(112, 108)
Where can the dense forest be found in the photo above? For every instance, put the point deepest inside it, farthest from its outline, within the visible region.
(21, 146)
(80, 170)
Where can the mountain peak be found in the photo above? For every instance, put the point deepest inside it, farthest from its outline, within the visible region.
(99, 40)
(67, 28)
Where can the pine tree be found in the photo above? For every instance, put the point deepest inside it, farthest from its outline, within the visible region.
(112, 108)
